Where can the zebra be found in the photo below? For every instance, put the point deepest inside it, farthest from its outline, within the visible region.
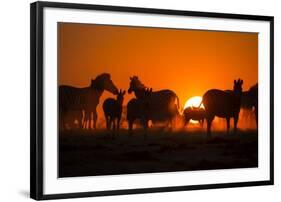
(163, 104)
(137, 109)
(194, 113)
(112, 109)
(250, 100)
(224, 104)
(87, 98)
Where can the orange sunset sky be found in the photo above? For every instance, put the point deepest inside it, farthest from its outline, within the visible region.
(189, 62)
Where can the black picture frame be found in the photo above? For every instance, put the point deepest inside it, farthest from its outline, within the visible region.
(36, 99)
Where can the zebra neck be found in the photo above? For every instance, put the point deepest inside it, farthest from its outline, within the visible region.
(238, 101)
(139, 93)
(97, 91)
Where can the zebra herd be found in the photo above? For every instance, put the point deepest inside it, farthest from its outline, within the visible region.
(148, 105)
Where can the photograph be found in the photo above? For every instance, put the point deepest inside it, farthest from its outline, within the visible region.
(139, 99)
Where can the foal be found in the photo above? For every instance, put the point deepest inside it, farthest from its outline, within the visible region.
(112, 109)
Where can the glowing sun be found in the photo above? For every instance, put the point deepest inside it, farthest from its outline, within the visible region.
(193, 102)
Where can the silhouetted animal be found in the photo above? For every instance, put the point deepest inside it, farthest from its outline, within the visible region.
(112, 109)
(163, 104)
(138, 109)
(194, 113)
(87, 98)
(250, 100)
(224, 104)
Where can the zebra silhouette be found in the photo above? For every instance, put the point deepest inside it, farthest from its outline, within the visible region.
(194, 113)
(112, 109)
(138, 109)
(163, 104)
(87, 98)
(223, 104)
(250, 100)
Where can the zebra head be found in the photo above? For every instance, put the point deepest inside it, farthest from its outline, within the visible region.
(120, 96)
(104, 82)
(237, 88)
(135, 85)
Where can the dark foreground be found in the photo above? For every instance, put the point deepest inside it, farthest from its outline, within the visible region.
(95, 153)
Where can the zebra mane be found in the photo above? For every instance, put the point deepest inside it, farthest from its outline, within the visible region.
(98, 82)
(136, 82)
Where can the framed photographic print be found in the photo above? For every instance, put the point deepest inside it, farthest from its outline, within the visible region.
(136, 100)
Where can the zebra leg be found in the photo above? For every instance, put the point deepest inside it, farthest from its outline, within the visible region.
(95, 118)
(170, 123)
(228, 124)
(118, 123)
(114, 127)
(173, 122)
(235, 122)
(145, 124)
(84, 123)
(87, 120)
(107, 123)
(114, 124)
(131, 122)
(202, 122)
(80, 121)
(80, 125)
(83, 119)
(186, 122)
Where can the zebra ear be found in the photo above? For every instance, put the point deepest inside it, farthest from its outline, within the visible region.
(131, 78)
(241, 82)
(235, 82)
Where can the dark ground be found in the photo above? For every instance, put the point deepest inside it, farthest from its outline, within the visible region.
(89, 153)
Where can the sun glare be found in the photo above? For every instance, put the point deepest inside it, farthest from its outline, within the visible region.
(193, 102)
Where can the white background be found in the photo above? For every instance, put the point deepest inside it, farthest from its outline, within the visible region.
(14, 102)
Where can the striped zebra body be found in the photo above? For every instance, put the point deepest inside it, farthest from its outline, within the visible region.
(112, 109)
(78, 99)
(72, 98)
(223, 104)
(163, 104)
(86, 99)
(194, 113)
(138, 109)
(249, 100)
